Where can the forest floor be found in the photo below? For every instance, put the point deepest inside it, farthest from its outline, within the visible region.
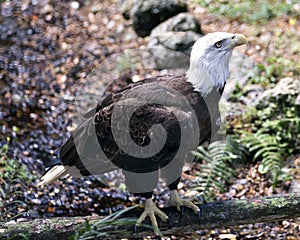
(46, 51)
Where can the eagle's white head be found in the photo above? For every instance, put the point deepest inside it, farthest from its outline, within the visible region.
(209, 61)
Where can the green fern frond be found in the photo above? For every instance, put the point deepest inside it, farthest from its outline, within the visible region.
(269, 150)
(236, 149)
(216, 167)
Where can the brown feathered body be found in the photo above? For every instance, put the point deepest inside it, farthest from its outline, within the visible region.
(94, 136)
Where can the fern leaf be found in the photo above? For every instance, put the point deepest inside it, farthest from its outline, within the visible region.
(216, 167)
(266, 147)
(265, 151)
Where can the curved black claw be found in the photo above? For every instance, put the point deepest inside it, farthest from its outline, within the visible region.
(169, 222)
(200, 198)
(181, 211)
(199, 217)
(135, 228)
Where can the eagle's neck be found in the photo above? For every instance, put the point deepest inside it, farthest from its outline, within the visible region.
(206, 78)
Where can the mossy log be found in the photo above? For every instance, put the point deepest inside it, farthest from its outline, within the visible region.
(213, 215)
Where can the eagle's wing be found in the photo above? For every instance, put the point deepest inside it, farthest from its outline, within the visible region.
(131, 111)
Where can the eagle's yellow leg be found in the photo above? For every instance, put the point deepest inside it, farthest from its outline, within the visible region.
(176, 201)
(151, 210)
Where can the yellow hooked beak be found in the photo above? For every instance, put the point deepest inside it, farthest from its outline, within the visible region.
(237, 40)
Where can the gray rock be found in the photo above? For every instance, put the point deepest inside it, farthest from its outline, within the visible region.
(172, 49)
(146, 14)
(241, 68)
(285, 86)
(182, 22)
(295, 186)
(252, 93)
(286, 91)
(297, 104)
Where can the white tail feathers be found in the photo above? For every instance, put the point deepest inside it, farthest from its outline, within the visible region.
(56, 172)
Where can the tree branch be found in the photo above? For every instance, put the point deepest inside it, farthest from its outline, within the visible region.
(213, 215)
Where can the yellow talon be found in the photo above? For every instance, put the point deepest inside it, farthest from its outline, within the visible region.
(151, 210)
(176, 201)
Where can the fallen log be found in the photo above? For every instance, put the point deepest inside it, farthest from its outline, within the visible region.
(213, 215)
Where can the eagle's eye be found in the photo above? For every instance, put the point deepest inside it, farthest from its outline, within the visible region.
(218, 44)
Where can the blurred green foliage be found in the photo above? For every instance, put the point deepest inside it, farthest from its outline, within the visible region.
(12, 177)
(252, 11)
(275, 67)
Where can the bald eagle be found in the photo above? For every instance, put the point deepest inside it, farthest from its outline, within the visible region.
(149, 128)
